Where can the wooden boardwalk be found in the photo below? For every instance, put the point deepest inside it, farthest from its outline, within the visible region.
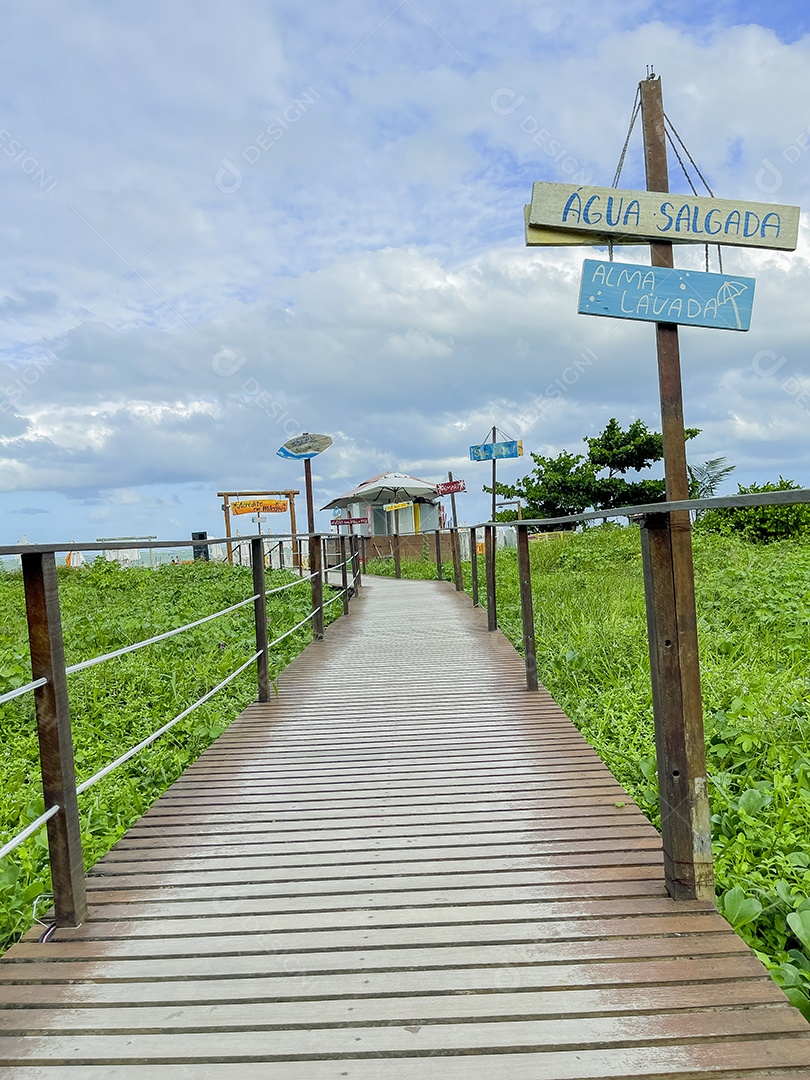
(406, 867)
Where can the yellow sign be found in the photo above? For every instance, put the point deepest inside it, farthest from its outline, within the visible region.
(397, 506)
(260, 506)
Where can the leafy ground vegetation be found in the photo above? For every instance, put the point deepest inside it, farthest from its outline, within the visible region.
(753, 608)
(116, 704)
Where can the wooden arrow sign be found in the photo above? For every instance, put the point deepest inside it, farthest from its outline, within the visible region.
(650, 216)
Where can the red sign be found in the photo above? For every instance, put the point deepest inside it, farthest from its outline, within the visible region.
(349, 521)
(450, 487)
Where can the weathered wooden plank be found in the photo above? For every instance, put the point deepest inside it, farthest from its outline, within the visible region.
(427, 1038)
(730, 1060)
(488, 1005)
(562, 986)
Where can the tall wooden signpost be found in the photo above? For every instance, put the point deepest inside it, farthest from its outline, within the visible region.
(305, 447)
(562, 214)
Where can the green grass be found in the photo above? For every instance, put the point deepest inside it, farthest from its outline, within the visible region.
(753, 605)
(116, 704)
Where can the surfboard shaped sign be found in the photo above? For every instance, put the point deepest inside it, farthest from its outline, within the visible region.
(655, 215)
(660, 294)
(304, 446)
(488, 451)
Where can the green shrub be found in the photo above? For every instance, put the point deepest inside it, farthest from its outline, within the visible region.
(759, 524)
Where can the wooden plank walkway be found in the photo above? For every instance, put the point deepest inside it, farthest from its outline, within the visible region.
(406, 867)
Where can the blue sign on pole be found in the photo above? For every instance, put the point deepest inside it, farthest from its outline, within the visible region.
(660, 294)
(489, 450)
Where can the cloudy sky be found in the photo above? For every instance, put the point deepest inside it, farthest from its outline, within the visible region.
(225, 224)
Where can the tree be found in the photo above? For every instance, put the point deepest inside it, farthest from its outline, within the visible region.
(706, 477)
(570, 483)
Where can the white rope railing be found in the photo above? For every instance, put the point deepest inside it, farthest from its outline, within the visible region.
(159, 637)
(11, 694)
(29, 830)
(156, 734)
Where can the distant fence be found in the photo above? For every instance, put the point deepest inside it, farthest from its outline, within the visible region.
(49, 683)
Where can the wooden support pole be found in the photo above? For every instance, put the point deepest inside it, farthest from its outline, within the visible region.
(316, 569)
(438, 536)
(55, 737)
(226, 508)
(494, 473)
(670, 592)
(489, 559)
(527, 607)
(453, 501)
(344, 575)
(397, 555)
(458, 577)
(474, 567)
(310, 503)
(357, 577)
(679, 741)
(260, 616)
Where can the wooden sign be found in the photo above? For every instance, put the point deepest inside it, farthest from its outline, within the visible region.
(304, 446)
(655, 215)
(660, 294)
(451, 487)
(489, 451)
(260, 506)
(396, 506)
(543, 236)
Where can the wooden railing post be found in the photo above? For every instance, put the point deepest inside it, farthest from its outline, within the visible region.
(678, 711)
(260, 617)
(357, 564)
(316, 569)
(55, 738)
(438, 538)
(344, 575)
(474, 567)
(458, 577)
(527, 606)
(489, 557)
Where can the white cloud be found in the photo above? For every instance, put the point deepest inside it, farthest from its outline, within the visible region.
(365, 269)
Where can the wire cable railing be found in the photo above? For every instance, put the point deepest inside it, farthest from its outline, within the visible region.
(29, 686)
(50, 678)
(161, 731)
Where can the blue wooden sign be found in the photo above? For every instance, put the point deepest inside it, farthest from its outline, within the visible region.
(489, 450)
(659, 294)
